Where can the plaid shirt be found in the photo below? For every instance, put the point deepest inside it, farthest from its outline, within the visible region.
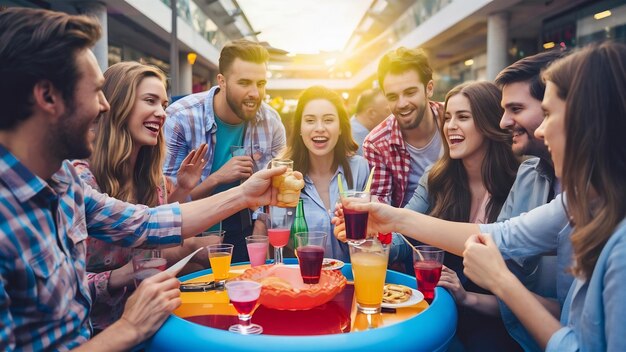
(191, 122)
(384, 148)
(44, 295)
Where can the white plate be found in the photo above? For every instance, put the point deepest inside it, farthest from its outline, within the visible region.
(331, 264)
(416, 298)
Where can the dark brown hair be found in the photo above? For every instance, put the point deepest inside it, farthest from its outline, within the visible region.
(39, 45)
(448, 186)
(401, 60)
(346, 146)
(593, 84)
(242, 49)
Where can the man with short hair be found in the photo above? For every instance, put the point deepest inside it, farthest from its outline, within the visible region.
(230, 114)
(371, 109)
(408, 141)
(51, 94)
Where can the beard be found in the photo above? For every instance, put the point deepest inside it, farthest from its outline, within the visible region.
(421, 112)
(238, 110)
(69, 139)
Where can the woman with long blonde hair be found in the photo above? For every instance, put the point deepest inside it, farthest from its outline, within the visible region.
(127, 164)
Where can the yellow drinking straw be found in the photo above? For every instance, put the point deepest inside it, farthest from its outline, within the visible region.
(339, 183)
(368, 185)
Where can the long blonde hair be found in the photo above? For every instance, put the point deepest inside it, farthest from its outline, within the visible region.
(110, 162)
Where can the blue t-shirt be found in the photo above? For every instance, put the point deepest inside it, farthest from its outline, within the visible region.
(226, 136)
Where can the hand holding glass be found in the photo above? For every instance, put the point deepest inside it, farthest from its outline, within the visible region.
(310, 251)
(356, 221)
(244, 295)
(287, 184)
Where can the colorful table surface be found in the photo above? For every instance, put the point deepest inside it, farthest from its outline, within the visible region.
(201, 322)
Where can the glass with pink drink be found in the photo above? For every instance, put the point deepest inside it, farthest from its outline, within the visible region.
(146, 263)
(427, 262)
(244, 295)
(280, 229)
(310, 251)
(257, 249)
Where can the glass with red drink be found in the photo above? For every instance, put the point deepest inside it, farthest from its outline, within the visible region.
(243, 295)
(310, 251)
(356, 221)
(427, 262)
(280, 229)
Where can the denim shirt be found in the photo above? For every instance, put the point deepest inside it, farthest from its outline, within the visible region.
(318, 217)
(594, 314)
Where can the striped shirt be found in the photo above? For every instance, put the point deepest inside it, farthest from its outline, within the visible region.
(384, 148)
(44, 295)
(191, 122)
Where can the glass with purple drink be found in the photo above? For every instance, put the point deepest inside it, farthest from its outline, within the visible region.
(356, 221)
(310, 252)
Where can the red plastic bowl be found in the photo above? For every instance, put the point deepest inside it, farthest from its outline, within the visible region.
(290, 293)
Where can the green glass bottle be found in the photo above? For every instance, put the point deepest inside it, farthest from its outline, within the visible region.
(299, 225)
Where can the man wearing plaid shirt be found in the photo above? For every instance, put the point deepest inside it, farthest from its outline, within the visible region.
(407, 142)
(51, 96)
(230, 114)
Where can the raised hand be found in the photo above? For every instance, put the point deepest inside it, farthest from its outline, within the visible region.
(258, 188)
(483, 262)
(236, 169)
(191, 168)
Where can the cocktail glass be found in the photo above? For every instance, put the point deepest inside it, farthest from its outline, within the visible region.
(257, 249)
(281, 220)
(220, 256)
(369, 267)
(243, 295)
(310, 251)
(356, 221)
(427, 262)
(146, 262)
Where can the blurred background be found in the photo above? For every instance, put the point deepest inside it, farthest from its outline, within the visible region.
(337, 43)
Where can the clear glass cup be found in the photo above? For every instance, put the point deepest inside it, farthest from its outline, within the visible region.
(287, 195)
(146, 262)
(220, 256)
(369, 260)
(427, 263)
(217, 235)
(257, 249)
(356, 221)
(310, 252)
(244, 295)
(281, 220)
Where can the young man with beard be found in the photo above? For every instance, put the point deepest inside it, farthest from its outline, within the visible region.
(230, 114)
(407, 142)
(51, 96)
(371, 109)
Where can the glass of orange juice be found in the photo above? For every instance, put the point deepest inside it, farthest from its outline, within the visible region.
(369, 267)
(219, 257)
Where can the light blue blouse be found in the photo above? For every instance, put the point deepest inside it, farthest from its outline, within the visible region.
(318, 217)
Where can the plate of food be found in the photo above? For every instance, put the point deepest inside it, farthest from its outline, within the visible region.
(332, 264)
(398, 296)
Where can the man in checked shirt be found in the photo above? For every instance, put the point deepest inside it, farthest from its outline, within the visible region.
(407, 142)
(50, 93)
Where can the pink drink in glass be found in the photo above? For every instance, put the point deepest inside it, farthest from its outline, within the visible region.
(257, 253)
(356, 224)
(244, 295)
(279, 237)
(244, 307)
(145, 268)
(427, 274)
(310, 258)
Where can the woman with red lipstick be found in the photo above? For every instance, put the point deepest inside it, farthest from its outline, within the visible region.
(127, 164)
(322, 148)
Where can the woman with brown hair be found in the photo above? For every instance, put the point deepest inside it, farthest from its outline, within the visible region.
(127, 164)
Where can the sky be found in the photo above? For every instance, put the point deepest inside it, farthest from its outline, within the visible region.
(305, 26)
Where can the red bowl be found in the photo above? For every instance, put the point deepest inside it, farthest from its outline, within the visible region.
(284, 289)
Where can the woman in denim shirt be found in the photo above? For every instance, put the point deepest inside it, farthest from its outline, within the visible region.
(322, 150)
